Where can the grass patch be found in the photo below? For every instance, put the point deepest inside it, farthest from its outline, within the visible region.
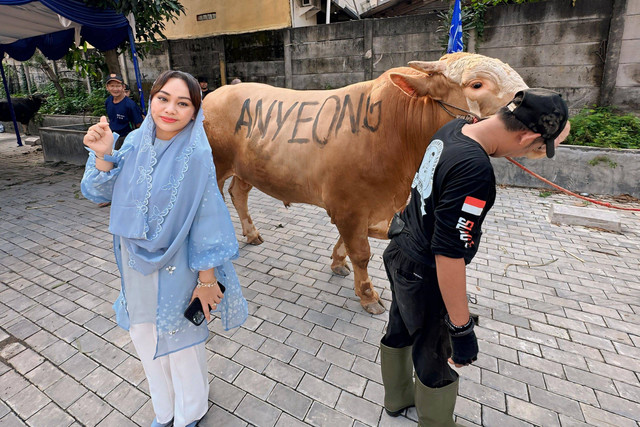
(603, 159)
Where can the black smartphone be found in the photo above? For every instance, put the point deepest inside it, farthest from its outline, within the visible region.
(194, 312)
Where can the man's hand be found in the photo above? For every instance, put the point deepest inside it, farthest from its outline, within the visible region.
(463, 343)
(465, 349)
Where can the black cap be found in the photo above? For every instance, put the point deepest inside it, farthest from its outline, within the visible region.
(114, 77)
(543, 111)
(203, 79)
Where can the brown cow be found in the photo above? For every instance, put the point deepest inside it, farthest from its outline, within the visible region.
(353, 151)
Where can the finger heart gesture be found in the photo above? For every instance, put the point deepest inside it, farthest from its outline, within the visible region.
(99, 138)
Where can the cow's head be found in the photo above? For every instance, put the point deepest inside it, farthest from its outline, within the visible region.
(474, 82)
(39, 99)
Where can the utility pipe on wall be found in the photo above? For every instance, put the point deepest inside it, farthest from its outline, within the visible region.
(328, 12)
(292, 14)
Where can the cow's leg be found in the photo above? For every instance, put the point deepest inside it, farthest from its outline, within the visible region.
(339, 257)
(354, 233)
(239, 191)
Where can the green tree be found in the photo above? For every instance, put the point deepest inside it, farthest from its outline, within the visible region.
(150, 19)
(467, 16)
(472, 14)
(38, 60)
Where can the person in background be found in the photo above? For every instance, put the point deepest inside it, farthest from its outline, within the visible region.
(173, 241)
(122, 111)
(436, 235)
(236, 81)
(204, 86)
(127, 93)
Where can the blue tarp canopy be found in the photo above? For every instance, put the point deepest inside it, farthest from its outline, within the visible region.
(53, 25)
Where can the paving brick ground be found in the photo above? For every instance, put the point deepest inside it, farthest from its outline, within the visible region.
(559, 342)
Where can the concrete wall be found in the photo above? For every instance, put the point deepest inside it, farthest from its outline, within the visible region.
(32, 128)
(397, 41)
(200, 57)
(552, 44)
(327, 56)
(255, 57)
(627, 88)
(49, 120)
(578, 169)
(588, 52)
(336, 55)
(64, 144)
(154, 63)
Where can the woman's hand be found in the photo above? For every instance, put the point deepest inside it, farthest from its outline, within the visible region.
(100, 138)
(209, 296)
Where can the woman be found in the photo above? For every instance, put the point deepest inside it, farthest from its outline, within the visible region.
(173, 239)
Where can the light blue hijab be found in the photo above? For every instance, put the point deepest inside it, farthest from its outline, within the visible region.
(167, 208)
(155, 200)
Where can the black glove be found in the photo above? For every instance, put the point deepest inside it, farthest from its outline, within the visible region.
(463, 342)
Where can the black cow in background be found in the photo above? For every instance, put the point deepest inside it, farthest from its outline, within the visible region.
(25, 109)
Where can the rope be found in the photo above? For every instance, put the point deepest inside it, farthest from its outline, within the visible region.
(472, 118)
(469, 117)
(546, 181)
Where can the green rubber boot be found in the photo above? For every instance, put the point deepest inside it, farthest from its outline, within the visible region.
(397, 377)
(435, 405)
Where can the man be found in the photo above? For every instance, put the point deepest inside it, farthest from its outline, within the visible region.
(436, 235)
(204, 86)
(124, 115)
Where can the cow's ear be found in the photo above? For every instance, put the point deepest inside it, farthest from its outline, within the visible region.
(429, 66)
(415, 85)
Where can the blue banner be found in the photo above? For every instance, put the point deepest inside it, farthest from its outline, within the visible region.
(455, 31)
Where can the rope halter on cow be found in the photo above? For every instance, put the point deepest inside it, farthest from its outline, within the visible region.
(469, 117)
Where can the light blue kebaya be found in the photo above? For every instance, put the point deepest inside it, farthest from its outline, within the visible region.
(168, 211)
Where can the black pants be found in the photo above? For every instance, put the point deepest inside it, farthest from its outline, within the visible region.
(416, 317)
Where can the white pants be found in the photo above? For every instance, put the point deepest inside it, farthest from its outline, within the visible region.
(178, 382)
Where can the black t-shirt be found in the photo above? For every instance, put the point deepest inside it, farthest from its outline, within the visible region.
(450, 196)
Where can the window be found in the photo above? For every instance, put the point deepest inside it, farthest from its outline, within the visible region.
(206, 16)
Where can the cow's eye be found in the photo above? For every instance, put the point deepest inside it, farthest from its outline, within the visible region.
(477, 85)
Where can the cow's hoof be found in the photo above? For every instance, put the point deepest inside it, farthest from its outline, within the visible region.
(341, 270)
(256, 240)
(375, 307)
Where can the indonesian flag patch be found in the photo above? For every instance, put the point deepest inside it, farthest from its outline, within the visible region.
(473, 206)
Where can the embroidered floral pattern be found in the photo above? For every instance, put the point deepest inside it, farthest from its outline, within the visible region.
(154, 222)
(210, 237)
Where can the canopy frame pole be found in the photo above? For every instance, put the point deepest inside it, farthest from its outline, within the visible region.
(134, 56)
(13, 113)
